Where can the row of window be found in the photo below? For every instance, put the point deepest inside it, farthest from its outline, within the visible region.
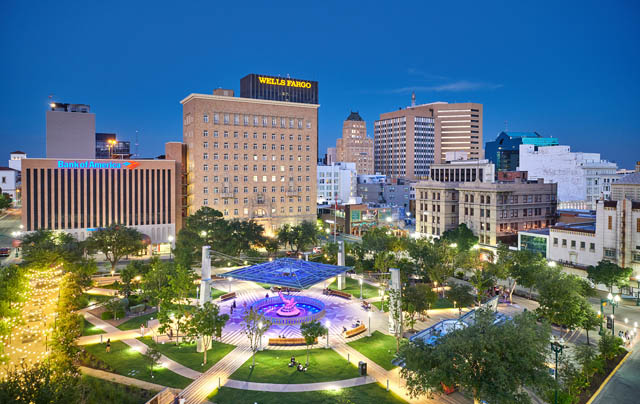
(255, 178)
(283, 137)
(283, 189)
(258, 212)
(247, 119)
(592, 246)
(245, 167)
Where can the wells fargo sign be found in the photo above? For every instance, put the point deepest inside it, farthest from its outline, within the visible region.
(284, 82)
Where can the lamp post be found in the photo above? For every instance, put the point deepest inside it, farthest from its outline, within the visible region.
(230, 279)
(170, 238)
(614, 301)
(328, 325)
(260, 333)
(557, 346)
(369, 323)
(360, 288)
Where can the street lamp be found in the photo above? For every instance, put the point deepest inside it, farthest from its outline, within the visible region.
(453, 245)
(203, 233)
(170, 238)
(360, 288)
(328, 325)
(557, 346)
(230, 279)
(369, 323)
(259, 332)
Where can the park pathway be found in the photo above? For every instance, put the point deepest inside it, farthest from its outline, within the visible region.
(218, 375)
(129, 381)
(290, 388)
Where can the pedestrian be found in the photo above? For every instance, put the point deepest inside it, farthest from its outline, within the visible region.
(108, 345)
(234, 304)
(266, 296)
(231, 310)
(182, 399)
(176, 399)
(142, 330)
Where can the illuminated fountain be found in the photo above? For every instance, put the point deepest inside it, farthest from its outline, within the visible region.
(289, 310)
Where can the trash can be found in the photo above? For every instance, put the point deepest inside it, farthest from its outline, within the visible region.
(363, 368)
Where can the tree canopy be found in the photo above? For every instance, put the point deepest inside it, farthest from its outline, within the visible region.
(462, 236)
(609, 274)
(115, 242)
(492, 362)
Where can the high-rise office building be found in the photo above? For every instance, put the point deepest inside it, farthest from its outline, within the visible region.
(504, 152)
(71, 131)
(409, 140)
(109, 147)
(251, 158)
(355, 146)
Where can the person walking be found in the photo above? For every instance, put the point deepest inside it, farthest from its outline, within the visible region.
(108, 345)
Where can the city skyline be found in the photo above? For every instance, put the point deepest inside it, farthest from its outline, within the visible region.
(563, 81)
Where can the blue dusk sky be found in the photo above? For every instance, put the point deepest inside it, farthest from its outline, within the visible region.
(561, 68)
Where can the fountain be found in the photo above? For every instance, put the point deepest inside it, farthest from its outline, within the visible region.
(287, 310)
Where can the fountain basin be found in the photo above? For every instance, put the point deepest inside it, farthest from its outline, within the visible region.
(306, 309)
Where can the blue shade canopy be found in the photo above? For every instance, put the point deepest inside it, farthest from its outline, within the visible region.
(287, 272)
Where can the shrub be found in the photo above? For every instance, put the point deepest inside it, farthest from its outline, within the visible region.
(610, 346)
(138, 308)
(460, 275)
(108, 315)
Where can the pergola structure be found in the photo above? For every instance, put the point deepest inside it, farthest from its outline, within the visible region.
(287, 272)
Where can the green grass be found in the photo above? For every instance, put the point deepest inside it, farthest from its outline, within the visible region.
(128, 362)
(379, 305)
(99, 391)
(107, 286)
(379, 347)
(135, 322)
(185, 354)
(442, 303)
(215, 293)
(96, 298)
(365, 394)
(264, 285)
(353, 287)
(271, 367)
(90, 329)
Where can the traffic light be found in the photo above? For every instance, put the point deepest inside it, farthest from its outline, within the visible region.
(609, 323)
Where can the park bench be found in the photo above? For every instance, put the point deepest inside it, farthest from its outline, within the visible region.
(288, 341)
(355, 331)
(228, 296)
(338, 293)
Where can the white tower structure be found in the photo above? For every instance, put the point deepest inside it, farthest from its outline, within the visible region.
(394, 284)
(205, 286)
(341, 278)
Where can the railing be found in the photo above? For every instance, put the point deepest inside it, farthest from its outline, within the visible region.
(291, 320)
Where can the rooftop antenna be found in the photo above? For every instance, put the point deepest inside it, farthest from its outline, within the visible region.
(413, 99)
(505, 126)
(137, 144)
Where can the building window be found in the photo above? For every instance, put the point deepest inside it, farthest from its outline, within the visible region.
(592, 247)
(573, 244)
(205, 118)
(609, 253)
(609, 222)
(564, 242)
(582, 245)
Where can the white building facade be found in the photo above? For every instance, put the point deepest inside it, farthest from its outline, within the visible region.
(339, 182)
(581, 177)
(9, 183)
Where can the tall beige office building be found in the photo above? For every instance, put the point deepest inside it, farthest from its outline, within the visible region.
(409, 140)
(355, 146)
(252, 158)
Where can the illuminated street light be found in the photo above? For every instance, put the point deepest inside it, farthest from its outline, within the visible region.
(328, 325)
(369, 323)
(453, 245)
(203, 233)
(552, 264)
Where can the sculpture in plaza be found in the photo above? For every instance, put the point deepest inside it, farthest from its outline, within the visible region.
(289, 309)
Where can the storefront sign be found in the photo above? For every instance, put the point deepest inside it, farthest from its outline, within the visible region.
(98, 164)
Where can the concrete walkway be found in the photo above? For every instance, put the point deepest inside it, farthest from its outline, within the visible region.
(624, 386)
(287, 388)
(129, 381)
(102, 291)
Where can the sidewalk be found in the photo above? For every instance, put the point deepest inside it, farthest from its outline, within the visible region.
(286, 388)
(129, 381)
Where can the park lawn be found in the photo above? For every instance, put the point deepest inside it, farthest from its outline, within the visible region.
(379, 347)
(365, 394)
(90, 329)
(134, 322)
(353, 287)
(271, 367)
(96, 298)
(186, 355)
(99, 391)
(215, 293)
(264, 285)
(442, 303)
(126, 361)
(379, 305)
(113, 286)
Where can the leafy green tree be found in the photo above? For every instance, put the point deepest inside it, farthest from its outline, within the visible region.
(462, 236)
(127, 276)
(42, 383)
(311, 331)
(492, 362)
(155, 280)
(45, 248)
(206, 322)
(272, 245)
(173, 299)
(5, 201)
(113, 306)
(609, 274)
(152, 356)
(461, 295)
(610, 346)
(481, 280)
(561, 298)
(417, 299)
(115, 242)
(383, 261)
(590, 319)
(254, 326)
(298, 237)
(443, 264)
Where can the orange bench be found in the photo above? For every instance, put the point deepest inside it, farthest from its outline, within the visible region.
(288, 341)
(355, 331)
(228, 296)
(338, 293)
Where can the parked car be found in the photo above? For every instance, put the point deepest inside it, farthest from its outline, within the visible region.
(5, 251)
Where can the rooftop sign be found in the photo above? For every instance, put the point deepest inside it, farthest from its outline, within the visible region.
(284, 82)
(117, 165)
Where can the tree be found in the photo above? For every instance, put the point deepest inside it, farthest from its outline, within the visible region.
(383, 261)
(205, 322)
(298, 237)
(254, 326)
(395, 310)
(481, 280)
(45, 248)
(494, 362)
(590, 319)
(5, 201)
(462, 236)
(561, 298)
(461, 295)
(155, 280)
(173, 298)
(609, 274)
(41, 383)
(152, 355)
(417, 299)
(113, 306)
(115, 242)
(610, 346)
(311, 331)
(272, 245)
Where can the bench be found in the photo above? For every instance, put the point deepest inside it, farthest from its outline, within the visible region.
(355, 331)
(228, 296)
(288, 341)
(338, 293)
